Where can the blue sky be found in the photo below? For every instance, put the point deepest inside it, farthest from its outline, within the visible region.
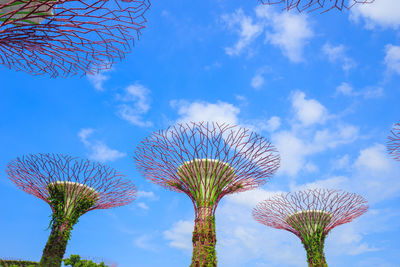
(323, 88)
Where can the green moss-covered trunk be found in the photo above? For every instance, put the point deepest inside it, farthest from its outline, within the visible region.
(54, 250)
(204, 241)
(315, 251)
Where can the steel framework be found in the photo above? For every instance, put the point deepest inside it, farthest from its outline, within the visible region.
(312, 5)
(68, 37)
(393, 143)
(72, 187)
(311, 215)
(206, 161)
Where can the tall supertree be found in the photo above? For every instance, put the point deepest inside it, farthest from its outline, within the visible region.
(393, 143)
(72, 187)
(68, 37)
(206, 161)
(311, 215)
(312, 5)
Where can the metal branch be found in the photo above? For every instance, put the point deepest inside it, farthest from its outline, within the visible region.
(34, 173)
(68, 37)
(393, 143)
(312, 5)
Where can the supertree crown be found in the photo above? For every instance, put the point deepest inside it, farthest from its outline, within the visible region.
(309, 211)
(206, 160)
(393, 143)
(46, 175)
(312, 5)
(68, 37)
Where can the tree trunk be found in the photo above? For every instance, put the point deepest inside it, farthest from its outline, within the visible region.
(54, 250)
(204, 240)
(315, 252)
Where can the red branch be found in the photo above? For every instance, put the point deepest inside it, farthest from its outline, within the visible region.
(342, 206)
(312, 5)
(252, 157)
(33, 173)
(72, 36)
(393, 143)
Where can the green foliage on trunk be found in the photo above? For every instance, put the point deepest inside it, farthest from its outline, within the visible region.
(204, 241)
(62, 222)
(314, 245)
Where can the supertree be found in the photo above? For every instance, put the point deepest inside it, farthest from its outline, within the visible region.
(393, 143)
(311, 214)
(311, 5)
(72, 187)
(68, 37)
(206, 161)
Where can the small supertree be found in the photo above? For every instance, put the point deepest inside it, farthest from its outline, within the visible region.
(72, 187)
(68, 37)
(393, 143)
(206, 161)
(311, 5)
(311, 215)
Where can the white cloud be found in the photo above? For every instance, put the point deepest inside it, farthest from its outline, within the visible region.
(368, 92)
(246, 29)
(143, 205)
(84, 135)
(180, 235)
(299, 143)
(250, 198)
(308, 111)
(99, 151)
(98, 79)
(382, 13)
(373, 159)
(139, 104)
(341, 163)
(290, 32)
(144, 241)
(369, 175)
(338, 54)
(372, 92)
(271, 125)
(392, 57)
(147, 194)
(257, 81)
(329, 183)
(221, 112)
(292, 151)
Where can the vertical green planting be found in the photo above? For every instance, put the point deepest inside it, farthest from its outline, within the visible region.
(310, 225)
(314, 246)
(204, 241)
(64, 217)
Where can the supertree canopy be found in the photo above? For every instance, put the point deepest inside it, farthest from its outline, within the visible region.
(206, 161)
(393, 144)
(311, 5)
(68, 37)
(311, 215)
(72, 187)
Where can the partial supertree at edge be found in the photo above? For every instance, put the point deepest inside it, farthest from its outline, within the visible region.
(68, 37)
(314, 5)
(393, 143)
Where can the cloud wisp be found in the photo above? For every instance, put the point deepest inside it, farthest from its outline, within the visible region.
(135, 103)
(287, 31)
(98, 150)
